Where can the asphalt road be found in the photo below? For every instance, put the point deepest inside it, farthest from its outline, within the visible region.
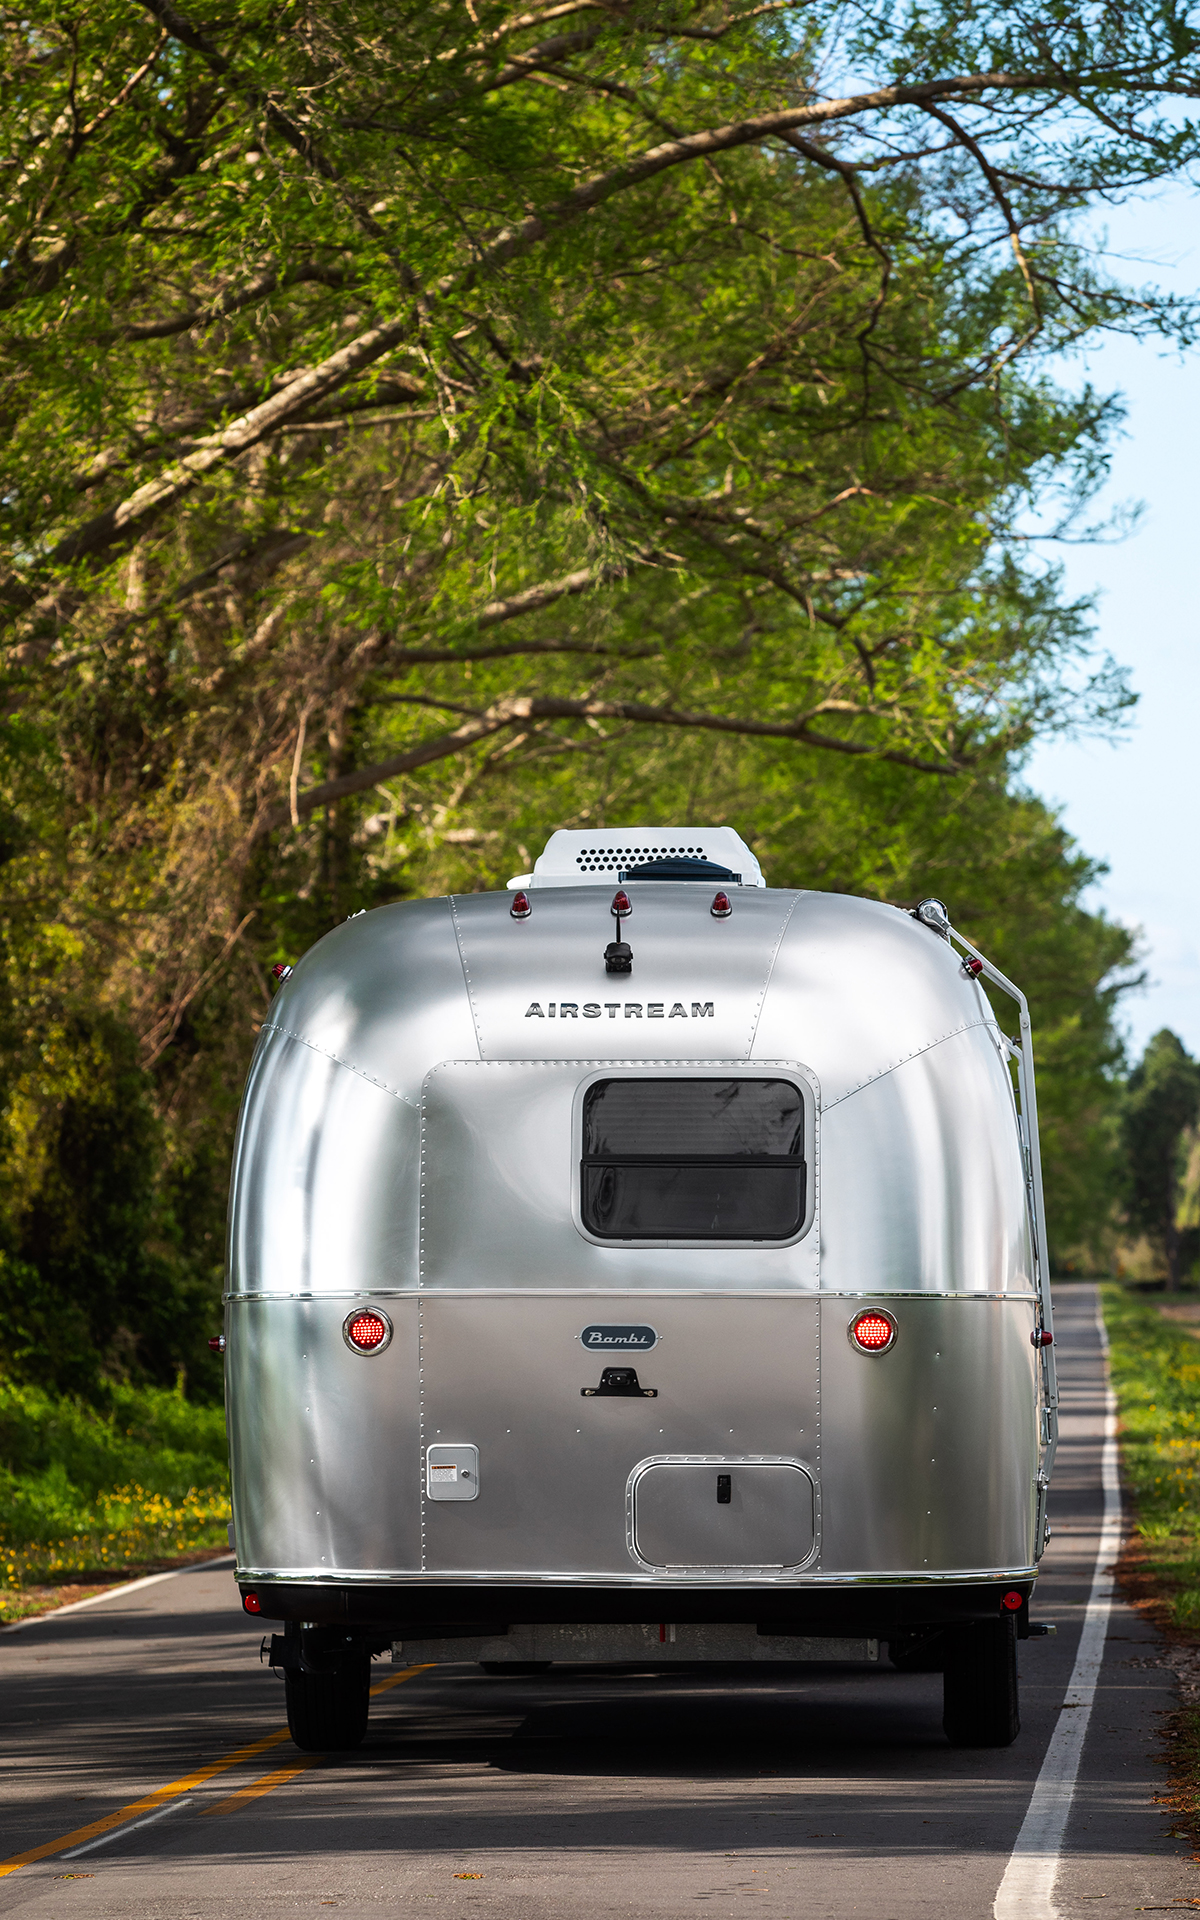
(799, 1792)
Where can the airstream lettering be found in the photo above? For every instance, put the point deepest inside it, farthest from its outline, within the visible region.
(722, 1301)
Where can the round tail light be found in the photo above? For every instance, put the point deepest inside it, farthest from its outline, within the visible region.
(1013, 1602)
(873, 1331)
(251, 1603)
(367, 1331)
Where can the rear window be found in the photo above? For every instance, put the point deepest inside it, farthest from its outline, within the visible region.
(703, 1159)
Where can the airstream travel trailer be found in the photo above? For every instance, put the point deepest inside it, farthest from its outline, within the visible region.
(640, 1265)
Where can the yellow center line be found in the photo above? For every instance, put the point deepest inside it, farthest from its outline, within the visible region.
(176, 1787)
(395, 1679)
(267, 1784)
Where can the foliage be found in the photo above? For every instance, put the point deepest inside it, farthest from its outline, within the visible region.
(53, 1536)
(428, 424)
(83, 1487)
(1162, 1101)
(1155, 1375)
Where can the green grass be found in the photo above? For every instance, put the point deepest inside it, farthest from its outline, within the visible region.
(83, 1488)
(1156, 1377)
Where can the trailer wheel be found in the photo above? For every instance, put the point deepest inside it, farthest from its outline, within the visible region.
(980, 1706)
(516, 1666)
(327, 1712)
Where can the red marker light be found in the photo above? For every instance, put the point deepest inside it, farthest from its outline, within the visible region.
(281, 971)
(722, 906)
(1013, 1601)
(216, 1343)
(621, 904)
(873, 1331)
(972, 967)
(367, 1331)
(251, 1603)
(520, 908)
(1041, 1337)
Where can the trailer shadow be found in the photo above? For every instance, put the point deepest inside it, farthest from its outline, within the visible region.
(726, 1722)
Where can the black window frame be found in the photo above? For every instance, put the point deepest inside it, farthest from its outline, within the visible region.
(677, 1234)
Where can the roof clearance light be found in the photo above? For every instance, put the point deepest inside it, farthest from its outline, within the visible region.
(1041, 1337)
(520, 908)
(281, 971)
(721, 907)
(367, 1331)
(972, 967)
(873, 1331)
(621, 904)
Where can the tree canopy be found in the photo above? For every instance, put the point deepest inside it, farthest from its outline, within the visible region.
(426, 424)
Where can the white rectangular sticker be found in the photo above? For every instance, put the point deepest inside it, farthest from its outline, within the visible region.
(444, 1473)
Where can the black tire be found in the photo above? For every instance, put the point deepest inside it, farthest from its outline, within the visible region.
(981, 1707)
(516, 1666)
(327, 1712)
(922, 1651)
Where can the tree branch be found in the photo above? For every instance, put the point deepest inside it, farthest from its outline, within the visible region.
(521, 710)
(126, 519)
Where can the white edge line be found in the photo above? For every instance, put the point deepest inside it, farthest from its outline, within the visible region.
(1027, 1889)
(118, 1833)
(110, 1593)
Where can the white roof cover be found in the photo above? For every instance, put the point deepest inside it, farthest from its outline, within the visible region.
(597, 855)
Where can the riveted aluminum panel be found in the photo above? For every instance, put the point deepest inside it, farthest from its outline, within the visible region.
(324, 1443)
(506, 1373)
(930, 1450)
(857, 988)
(325, 1193)
(501, 1142)
(922, 1185)
(383, 994)
(683, 959)
(679, 1522)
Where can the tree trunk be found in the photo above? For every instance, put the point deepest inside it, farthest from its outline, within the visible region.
(1171, 1248)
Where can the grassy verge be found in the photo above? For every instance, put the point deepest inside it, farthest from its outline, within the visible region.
(87, 1493)
(1156, 1378)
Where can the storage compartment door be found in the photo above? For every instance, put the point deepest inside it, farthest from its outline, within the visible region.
(722, 1514)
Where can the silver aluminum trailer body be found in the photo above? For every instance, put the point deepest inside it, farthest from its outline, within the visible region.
(598, 1404)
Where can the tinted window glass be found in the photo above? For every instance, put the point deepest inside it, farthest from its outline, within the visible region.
(688, 1117)
(693, 1159)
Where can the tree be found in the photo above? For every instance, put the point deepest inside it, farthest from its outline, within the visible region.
(1161, 1102)
(423, 417)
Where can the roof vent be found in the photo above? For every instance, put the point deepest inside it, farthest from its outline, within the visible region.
(607, 857)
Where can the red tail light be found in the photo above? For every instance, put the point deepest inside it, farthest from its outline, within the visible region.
(520, 908)
(251, 1603)
(621, 904)
(722, 906)
(1013, 1601)
(367, 1331)
(873, 1331)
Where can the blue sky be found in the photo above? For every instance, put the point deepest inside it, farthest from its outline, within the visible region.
(1135, 803)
